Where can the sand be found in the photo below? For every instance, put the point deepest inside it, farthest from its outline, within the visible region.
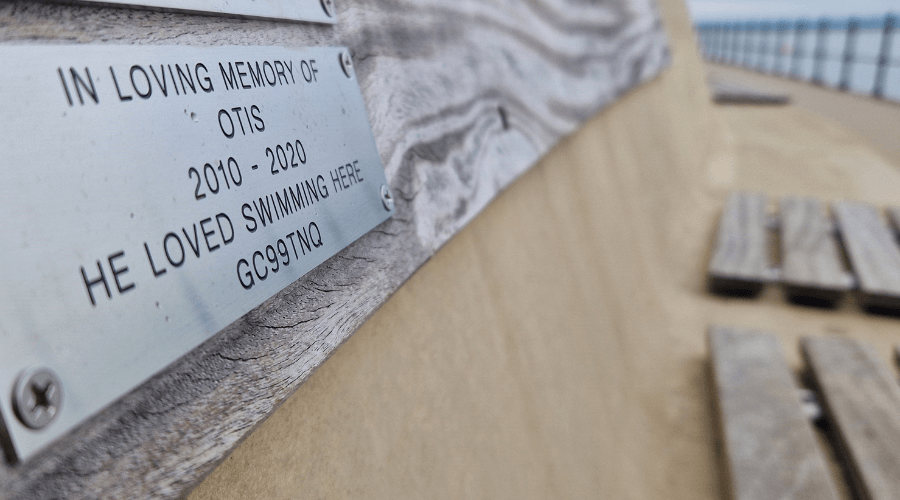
(555, 348)
(875, 120)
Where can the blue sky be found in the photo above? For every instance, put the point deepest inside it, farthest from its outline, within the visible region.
(708, 10)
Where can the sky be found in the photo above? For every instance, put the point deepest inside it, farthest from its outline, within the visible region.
(716, 10)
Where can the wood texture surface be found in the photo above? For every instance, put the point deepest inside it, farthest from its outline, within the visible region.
(770, 447)
(862, 399)
(893, 214)
(726, 92)
(463, 97)
(740, 262)
(873, 253)
(811, 265)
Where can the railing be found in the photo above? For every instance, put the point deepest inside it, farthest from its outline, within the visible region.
(852, 54)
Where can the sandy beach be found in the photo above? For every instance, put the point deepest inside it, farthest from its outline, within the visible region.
(556, 347)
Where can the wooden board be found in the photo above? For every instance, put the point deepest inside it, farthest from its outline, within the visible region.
(463, 96)
(769, 444)
(811, 265)
(862, 398)
(873, 252)
(893, 214)
(724, 92)
(740, 260)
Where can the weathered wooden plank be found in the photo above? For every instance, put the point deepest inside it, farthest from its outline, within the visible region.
(893, 214)
(769, 444)
(862, 399)
(724, 92)
(463, 97)
(740, 261)
(873, 253)
(811, 265)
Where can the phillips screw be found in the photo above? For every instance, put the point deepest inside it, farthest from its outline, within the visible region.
(346, 64)
(386, 199)
(328, 7)
(37, 397)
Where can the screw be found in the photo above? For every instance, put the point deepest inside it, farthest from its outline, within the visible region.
(386, 199)
(346, 63)
(37, 397)
(328, 7)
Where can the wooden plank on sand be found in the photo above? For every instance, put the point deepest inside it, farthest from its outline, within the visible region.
(811, 265)
(862, 400)
(873, 253)
(740, 260)
(893, 214)
(725, 92)
(769, 444)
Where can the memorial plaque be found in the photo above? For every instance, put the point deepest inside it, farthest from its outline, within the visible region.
(153, 195)
(319, 11)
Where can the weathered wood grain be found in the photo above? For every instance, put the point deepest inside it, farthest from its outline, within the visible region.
(811, 265)
(724, 92)
(740, 261)
(463, 97)
(862, 399)
(893, 214)
(873, 252)
(769, 444)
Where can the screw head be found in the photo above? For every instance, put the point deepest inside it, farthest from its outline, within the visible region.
(346, 64)
(37, 397)
(386, 199)
(328, 7)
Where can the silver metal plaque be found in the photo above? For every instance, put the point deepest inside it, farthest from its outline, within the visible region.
(150, 196)
(319, 11)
